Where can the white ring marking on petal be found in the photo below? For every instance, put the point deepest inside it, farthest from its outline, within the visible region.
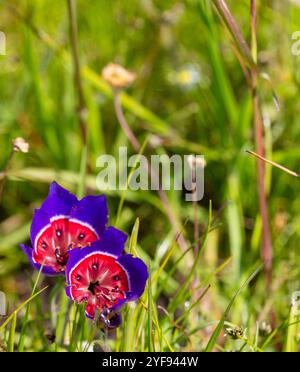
(52, 219)
(87, 256)
(84, 224)
(39, 235)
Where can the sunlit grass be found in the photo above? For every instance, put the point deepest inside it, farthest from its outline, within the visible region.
(191, 299)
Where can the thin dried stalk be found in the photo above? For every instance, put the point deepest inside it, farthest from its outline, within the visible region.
(136, 145)
(267, 250)
(281, 167)
(233, 28)
(249, 58)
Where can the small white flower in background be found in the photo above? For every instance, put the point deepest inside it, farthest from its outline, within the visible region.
(187, 304)
(187, 77)
(2, 304)
(117, 76)
(20, 145)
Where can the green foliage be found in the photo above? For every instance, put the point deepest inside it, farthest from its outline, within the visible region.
(185, 306)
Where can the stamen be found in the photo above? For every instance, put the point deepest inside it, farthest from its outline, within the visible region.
(92, 287)
(61, 259)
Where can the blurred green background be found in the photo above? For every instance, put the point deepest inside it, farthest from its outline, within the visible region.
(190, 91)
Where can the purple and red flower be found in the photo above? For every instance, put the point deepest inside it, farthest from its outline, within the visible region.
(71, 237)
(103, 277)
(62, 223)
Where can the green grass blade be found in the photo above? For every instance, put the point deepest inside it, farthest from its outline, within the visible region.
(213, 340)
(292, 338)
(11, 339)
(25, 319)
(134, 238)
(19, 308)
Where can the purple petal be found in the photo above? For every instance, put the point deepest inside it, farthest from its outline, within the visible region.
(59, 201)
(130, 296)
(89, 316)
(46, 269)
(93, 211)
(39, 222)
(137, 274)
(27, 250)
(68, 292)
(75, 256)
(112, 242)
(111, 319)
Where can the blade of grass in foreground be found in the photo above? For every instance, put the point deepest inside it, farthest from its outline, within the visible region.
(291, 345)
(82, 172)
(61, 318)
(25, 320)
(134, 237)
(123, 195)
(183, 291)
(279, 329)
(12, 332)
(18, 309)
(217, 331)
(150, 315)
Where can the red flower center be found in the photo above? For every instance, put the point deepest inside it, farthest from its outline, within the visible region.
(99, 281)
(52, 245)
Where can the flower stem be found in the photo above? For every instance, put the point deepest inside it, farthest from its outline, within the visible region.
(137, 147)
(266, 251)
(233, 28)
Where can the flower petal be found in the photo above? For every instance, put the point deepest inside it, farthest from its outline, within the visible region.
(91, 211)
(46, 269)
(40, 222)
(111, 319)
(90, 311)
(137, 274)
(112, 242)
(59, 201)
(68, 292)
